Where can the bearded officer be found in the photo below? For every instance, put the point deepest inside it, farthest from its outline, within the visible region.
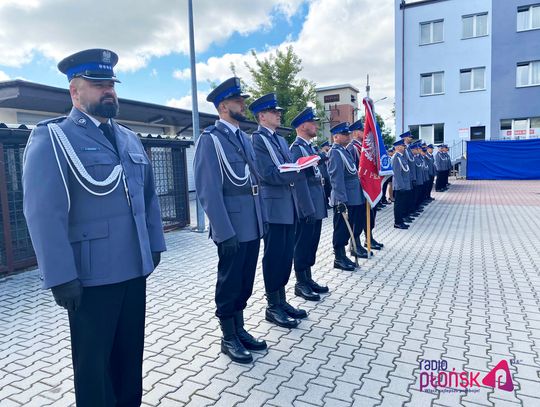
(308, 231)
(227, 186)
(346, 195)
(95, 223)
(283, 206)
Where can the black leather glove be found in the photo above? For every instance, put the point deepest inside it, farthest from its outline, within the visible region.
(230, 246)
(156, 258)
(266, 228)
(68, 295)
(310, 219)
(341, 207)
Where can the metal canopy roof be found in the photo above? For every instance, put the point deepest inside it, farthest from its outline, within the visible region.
(24, 95)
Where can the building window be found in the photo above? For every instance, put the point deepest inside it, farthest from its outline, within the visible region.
(475, 25)
(528, 74)
(472, 79)
(430, 133)
(520, 128)
(431, 32)
(331, 98)
(528, 17)
(432, 83)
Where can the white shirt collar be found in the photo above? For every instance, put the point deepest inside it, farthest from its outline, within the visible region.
(269, 130)
(94, 120)
(229, 125)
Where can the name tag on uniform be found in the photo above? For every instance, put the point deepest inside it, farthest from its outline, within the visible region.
(90, 148)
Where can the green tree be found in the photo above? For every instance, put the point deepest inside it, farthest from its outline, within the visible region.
(279, 73)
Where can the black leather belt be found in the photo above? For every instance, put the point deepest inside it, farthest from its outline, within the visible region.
(244, 190)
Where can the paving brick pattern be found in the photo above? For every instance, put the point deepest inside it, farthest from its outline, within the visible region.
(462, 284)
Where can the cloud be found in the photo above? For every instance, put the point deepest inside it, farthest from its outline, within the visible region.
(137, 31)
(186, 103)
(357, 40)
(4, 76)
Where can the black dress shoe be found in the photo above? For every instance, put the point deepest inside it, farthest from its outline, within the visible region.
(233, 348)
(321, 289)
(343, 265)
(408, 219)
(278, 316)
(374, 246)
(400, 226)
(304, 290)
(249, 342)
(295, 313)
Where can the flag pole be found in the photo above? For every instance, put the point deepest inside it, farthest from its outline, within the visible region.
(368, 229)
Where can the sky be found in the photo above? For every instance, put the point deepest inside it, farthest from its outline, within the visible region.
(339, 41)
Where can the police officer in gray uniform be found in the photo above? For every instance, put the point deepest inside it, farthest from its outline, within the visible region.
(419, 175)
(355, 149)
(308, 230)
(346, 195)
(95, 223)
(401, 184)
(431, 170)
(442, 164)
(283, 206)
(409, 156)
(227, 186)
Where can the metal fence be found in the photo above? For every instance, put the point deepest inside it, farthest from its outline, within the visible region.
(168, 158)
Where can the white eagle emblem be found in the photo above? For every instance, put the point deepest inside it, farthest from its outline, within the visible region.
(106, 57)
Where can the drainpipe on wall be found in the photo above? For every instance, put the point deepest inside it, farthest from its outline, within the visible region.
(402, 6)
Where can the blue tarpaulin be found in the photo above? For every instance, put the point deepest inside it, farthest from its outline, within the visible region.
(503, 159)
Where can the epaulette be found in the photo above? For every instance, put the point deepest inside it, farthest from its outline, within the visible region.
(54, 120)
(123, 125)
(209, 129)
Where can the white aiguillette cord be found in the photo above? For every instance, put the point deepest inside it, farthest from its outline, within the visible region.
(77, 167)
(225, 166)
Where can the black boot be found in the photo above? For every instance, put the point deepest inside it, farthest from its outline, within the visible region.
(361, 253)
(247, 340)
(374, 244)
(231, 345)
(302, 287)
(341, 261)
(296, 313)
(314, 286)
(276, 314)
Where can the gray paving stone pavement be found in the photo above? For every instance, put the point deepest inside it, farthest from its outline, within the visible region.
(461, 285)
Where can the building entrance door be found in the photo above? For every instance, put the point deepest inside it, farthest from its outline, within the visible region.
(478, 133)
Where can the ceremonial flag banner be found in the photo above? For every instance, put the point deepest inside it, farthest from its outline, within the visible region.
(375, 164)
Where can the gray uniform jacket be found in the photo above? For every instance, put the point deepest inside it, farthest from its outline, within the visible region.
(409, 156)
(431, 164)
(402, 171)
(231, 209)
(356, 158)
(442, 161)
(419, 169)
(313, 178)
(345, 185)
(280, 196)
(101, 239)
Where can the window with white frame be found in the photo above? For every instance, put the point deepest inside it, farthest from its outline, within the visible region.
(432, 83)
(472, 79)
(528, 17)
(522, 128)
(475, 25)
(431, 32)
(430, 133)
(528, 74)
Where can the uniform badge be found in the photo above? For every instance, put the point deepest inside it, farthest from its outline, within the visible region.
(81, 120)
(106, 57)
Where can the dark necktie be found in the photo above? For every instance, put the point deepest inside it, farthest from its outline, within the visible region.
(240, 139)
(108, 133)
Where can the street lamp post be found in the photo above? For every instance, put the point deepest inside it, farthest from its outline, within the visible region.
(194, 107)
